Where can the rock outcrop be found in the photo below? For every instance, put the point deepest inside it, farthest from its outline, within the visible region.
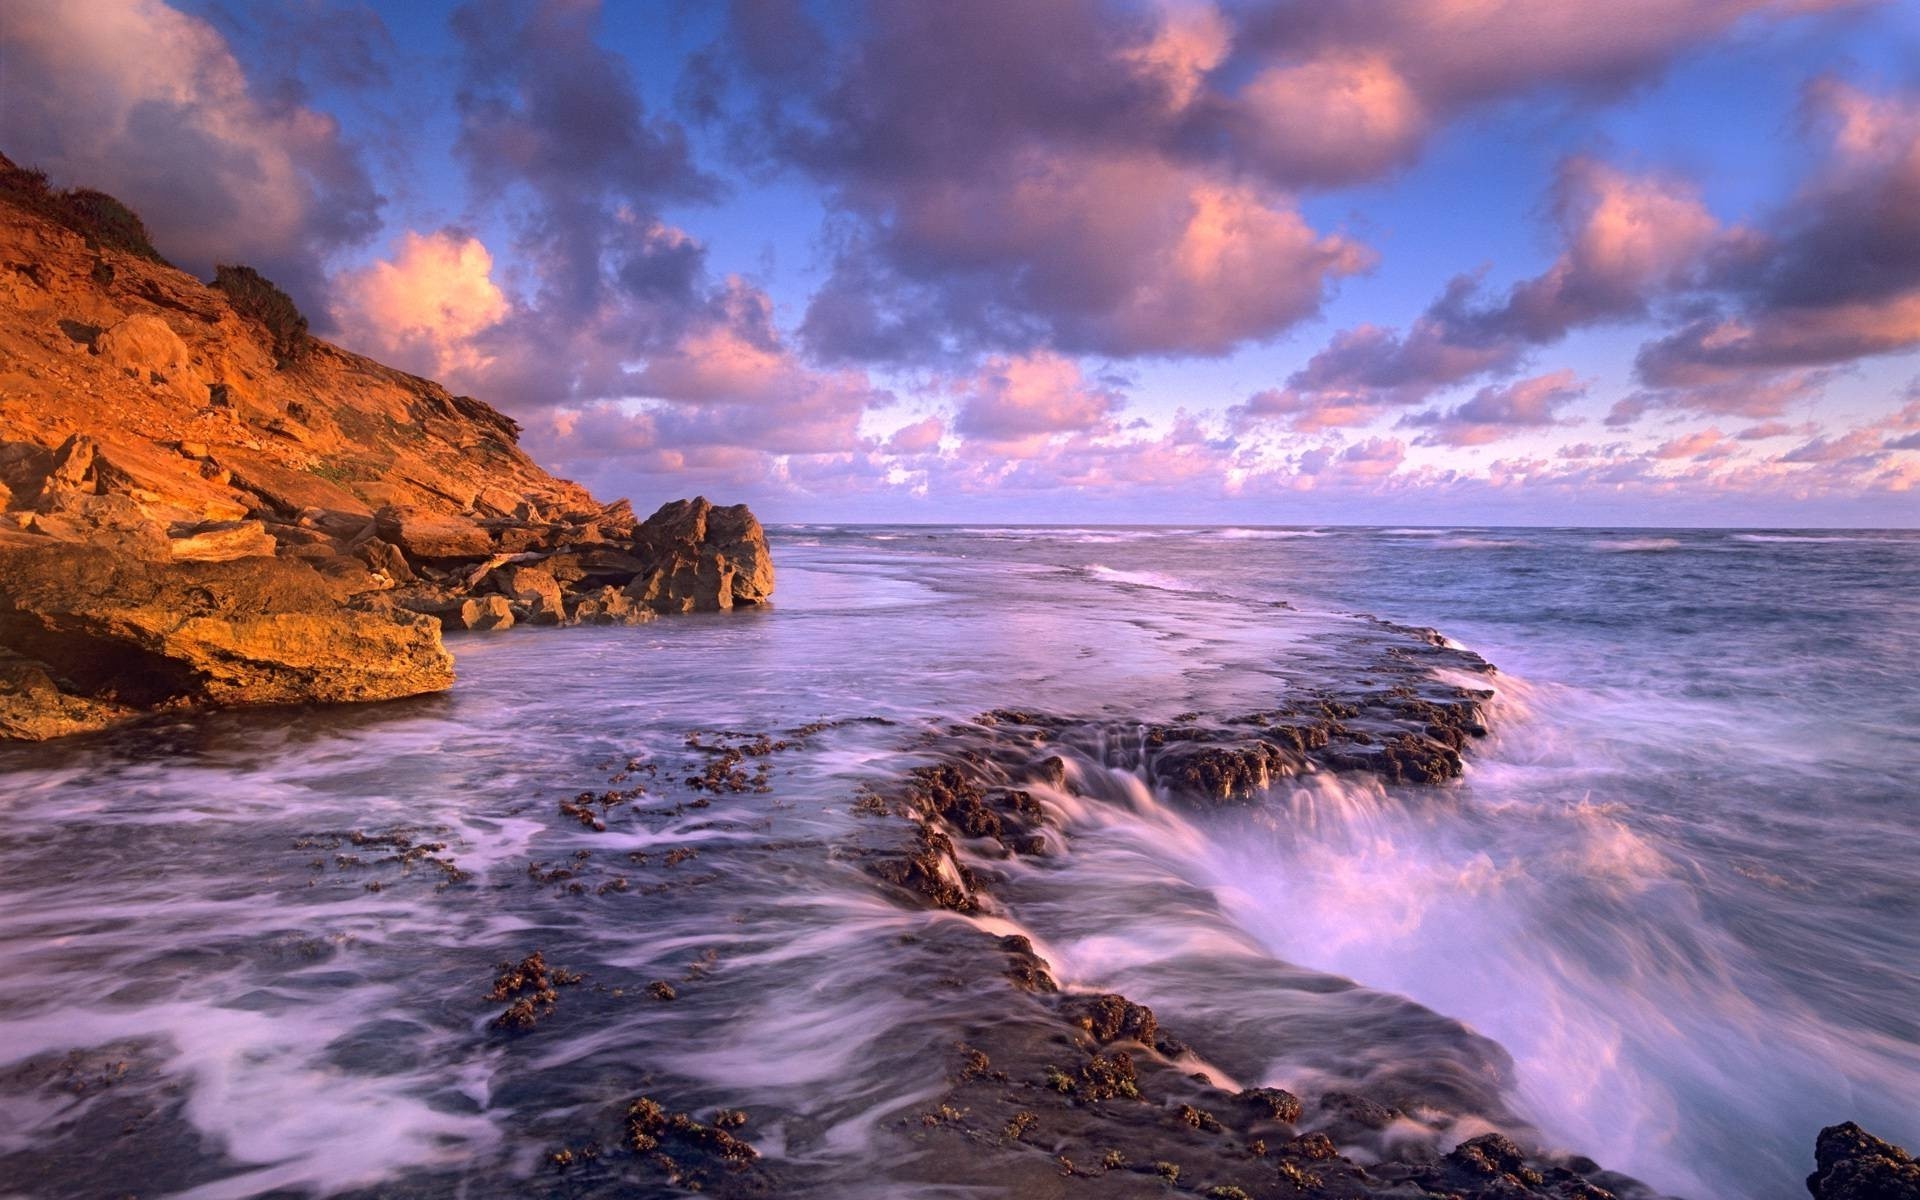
(191, 515)
(115, 635)
(1852, 1164)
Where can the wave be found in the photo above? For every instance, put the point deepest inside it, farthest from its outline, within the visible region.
(1146, 579)
(1635, 545)
(1243, 533)
(1476, 543)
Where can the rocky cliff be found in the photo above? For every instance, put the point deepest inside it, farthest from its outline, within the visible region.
(203, 505)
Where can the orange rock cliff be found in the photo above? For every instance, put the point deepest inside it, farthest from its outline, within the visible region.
(202, 505)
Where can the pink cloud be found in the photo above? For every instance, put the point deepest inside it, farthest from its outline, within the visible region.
(1625, 239)
(422, 308)
(917, 438)
(1499, 410)
(1830, 278)
(1690, 445)
(1036, 395)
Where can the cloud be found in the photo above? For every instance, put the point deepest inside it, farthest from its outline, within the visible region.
(917, 438)
(1690, 445)
(1499, 410)
(628, 362)
(1625, 238)
(1765, 430)
(1831, 277)
(1015, 398)
(148, 103)
(1104, 177)
(1018, 176)
(422, 308)
(1456, 54)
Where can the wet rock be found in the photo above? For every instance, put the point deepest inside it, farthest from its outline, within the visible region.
(685, 1150)
(33, 707)
(1345, 1115)
(607, 605)
(1487, 1156)
(532, 986)
(1272, 1104)
(929, 869)
(1852, 1164)
(1111, 1018)
(1026, 969)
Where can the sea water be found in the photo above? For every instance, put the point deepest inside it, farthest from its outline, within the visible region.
(1673, 907)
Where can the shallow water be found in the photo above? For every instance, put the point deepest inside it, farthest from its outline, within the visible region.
(1671, 917)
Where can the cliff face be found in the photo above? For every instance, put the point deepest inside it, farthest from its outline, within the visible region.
(192, 514)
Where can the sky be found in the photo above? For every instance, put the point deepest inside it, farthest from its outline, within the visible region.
(1648, 262)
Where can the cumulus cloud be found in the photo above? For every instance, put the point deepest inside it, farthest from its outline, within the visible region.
(1455, 54)
(1690, 445)
(423, 308)
(138, 99)
(1019, 176)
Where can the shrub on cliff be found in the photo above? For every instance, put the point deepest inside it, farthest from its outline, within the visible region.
(93, 215)
(254, 295)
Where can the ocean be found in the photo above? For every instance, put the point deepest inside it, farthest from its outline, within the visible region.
(1668, 918)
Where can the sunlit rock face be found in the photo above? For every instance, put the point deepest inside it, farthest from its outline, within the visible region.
(203, 510)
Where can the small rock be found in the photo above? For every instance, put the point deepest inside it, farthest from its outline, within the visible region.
(484, 612)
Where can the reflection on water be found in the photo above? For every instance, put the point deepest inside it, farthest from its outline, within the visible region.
(1674, 902)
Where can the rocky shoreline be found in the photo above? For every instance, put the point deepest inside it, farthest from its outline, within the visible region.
(201, 505)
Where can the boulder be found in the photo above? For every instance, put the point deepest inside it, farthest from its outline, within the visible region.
(146, 347)
(703, 557)
(34, 709)
(424, 534)
(128, 635)
(735, 534)
(701, 583)
(70, 472)
(536, 589)
(1852, 1164)
(119, 522)
(481, 612)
